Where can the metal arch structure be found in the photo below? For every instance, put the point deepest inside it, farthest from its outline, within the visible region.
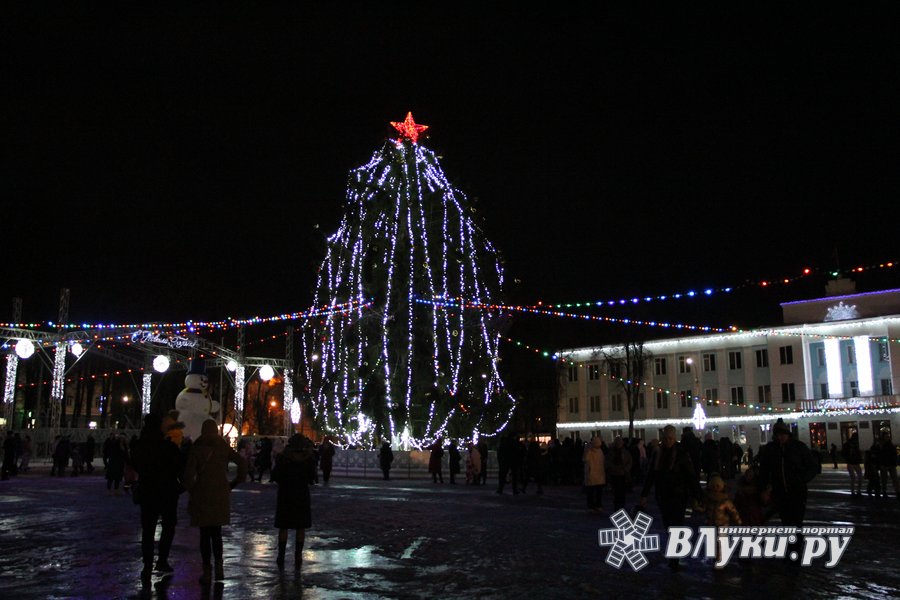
(141, 350)
(61, 343)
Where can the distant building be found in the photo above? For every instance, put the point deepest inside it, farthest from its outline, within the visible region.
(833, 368)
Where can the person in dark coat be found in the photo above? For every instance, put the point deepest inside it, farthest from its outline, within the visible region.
(887, 462)
(676, 482)
(115, 454)
(209, 502)
(853, 456)
(725, 460)
(264, 458)
(786, 465)
(88, 454)
(158, 463)
(386, 458)
(455, 461)
(326, 458)
(693, 445)
(292, 472)
(508, 456)
(61, 455)
(435, 466)
(709, 457)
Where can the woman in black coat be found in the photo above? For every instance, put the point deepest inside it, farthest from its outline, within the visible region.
(293, 472)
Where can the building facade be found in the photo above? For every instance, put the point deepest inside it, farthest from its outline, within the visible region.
(831, 369)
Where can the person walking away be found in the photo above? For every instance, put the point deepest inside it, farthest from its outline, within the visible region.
(594, 474)
(292, 473)
(853, 456)
(158, 463)
(61, 455)
(89, 449)
(435, 466)
(209, 501)
(693, 445)
(887, 463)
(720, 511)
(873, 478)
(618, 471)
(473, 465)
(709, 457)
(326, 458)
(264, 458)
(455, 461)
(833, 453)
(114, 456)
(786, 466)
(385, 459)
(673, 475)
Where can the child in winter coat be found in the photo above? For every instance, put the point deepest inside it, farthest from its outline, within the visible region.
(720, 510)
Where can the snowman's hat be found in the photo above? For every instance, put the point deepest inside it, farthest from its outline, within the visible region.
(198, 367)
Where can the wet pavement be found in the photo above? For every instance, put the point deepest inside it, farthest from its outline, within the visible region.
(410, 538)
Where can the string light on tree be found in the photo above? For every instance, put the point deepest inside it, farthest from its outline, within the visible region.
(394, 365)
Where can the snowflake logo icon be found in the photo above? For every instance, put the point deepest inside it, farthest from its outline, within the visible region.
(629, 540)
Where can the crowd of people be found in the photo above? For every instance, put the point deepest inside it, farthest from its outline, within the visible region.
(746, 488)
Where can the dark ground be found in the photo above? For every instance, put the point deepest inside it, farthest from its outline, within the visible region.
(66, 538)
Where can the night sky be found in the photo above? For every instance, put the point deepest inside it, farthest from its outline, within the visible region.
(189, 165)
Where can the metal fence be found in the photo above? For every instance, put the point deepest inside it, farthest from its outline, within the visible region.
(408, 464)
(42, 438)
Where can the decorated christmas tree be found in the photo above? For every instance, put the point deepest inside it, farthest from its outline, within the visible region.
(409, 362)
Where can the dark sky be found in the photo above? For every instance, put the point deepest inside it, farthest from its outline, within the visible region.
(175, 166)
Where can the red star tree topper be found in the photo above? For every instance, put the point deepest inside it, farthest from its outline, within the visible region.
(409, 129)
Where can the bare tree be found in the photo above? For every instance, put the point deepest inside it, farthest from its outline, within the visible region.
(627, 366)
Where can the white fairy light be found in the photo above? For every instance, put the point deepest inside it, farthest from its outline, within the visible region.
(145, 393)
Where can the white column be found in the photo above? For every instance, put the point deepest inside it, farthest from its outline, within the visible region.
(863, 352)
(833, 368)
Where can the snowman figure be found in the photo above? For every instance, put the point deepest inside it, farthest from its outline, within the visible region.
(194, 403)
